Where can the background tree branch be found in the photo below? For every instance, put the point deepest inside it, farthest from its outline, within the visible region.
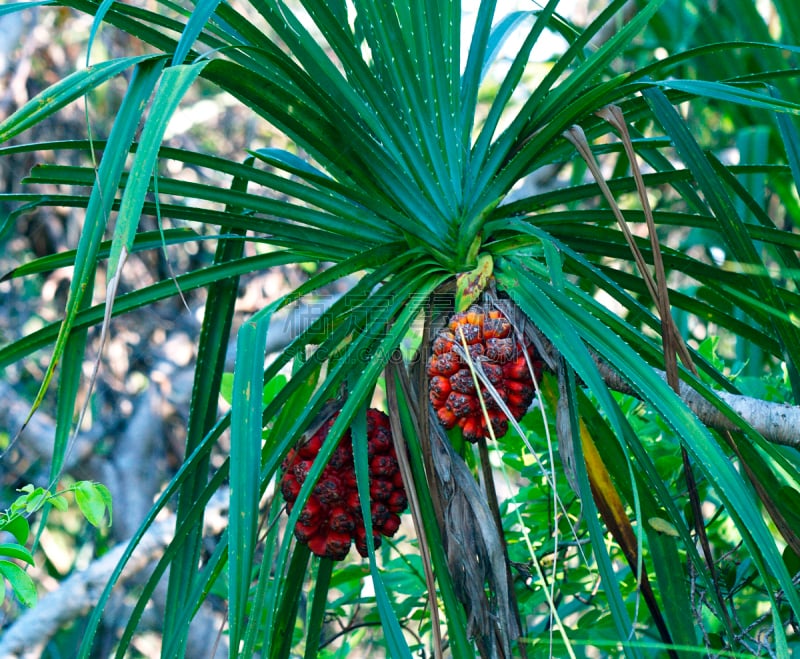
(778, 423)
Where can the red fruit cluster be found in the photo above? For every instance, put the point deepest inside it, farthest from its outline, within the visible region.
(493, 348)
(331, 518)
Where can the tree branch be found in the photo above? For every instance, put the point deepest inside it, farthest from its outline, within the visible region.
(778, 423)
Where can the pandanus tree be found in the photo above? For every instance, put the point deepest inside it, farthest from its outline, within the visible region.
(544, 324)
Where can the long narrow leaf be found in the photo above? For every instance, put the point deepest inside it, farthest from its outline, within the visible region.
(72, 87)
(246, 410)
(144, 79)
(212, 351)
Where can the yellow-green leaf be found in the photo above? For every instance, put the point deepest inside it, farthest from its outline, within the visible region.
(663, 526)
(469, 285)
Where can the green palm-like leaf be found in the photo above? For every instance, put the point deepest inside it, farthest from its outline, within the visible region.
(401, 171)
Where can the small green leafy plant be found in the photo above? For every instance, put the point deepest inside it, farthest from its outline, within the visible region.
(94, 502)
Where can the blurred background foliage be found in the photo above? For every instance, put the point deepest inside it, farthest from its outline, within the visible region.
(133, 437)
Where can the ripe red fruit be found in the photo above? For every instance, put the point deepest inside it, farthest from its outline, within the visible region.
(310, 448)
(331, 518)
(471, 428)
(380, 513)
(471, 333)
(500, 350)
(380, 442)
(446, 364)
(290, 488)
(383, 466)
(446, 417)
(337, 545)
(305, 532)
(380, 489)
(503, 357)
(496, 326)
(439, 389)
(352, 502)
(462, 405)
(391, 524)
(499, 423)
(328, 490)
(300, 469)
(517, 369)
(397, 501)
(494, 372)
(312, 512)
(443, 344)
(361, 540)
(341, 520)
(462, 382)
(332, 545)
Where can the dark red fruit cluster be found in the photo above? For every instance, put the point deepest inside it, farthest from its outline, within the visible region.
(491, 345)
(331, 518)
